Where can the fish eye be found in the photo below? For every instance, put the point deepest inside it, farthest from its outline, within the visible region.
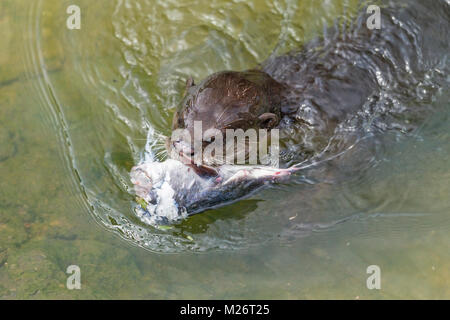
(209, 140)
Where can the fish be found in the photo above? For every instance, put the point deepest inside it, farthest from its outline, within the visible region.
(170, 191)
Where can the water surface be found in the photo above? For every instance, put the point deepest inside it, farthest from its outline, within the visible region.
(75, 110)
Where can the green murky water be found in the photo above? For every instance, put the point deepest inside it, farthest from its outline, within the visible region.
(75, 109)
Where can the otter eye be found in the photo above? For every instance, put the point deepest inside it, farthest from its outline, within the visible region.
(266, 123)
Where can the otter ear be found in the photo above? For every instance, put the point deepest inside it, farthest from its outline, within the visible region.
(268, 120)
(189, 82)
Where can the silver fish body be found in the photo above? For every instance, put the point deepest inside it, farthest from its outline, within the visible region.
(171, 191)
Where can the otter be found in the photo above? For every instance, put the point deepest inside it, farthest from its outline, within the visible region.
(226, 100)
(352, 82)
(309, 93)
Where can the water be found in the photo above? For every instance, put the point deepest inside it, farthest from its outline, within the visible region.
(75, 110)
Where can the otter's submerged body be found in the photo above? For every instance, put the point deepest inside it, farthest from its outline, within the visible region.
(354, 78)
(322, 98)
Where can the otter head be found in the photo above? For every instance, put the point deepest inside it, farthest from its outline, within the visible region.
(225, 100)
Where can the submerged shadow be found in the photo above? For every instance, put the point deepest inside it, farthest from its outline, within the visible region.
(199, 223)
